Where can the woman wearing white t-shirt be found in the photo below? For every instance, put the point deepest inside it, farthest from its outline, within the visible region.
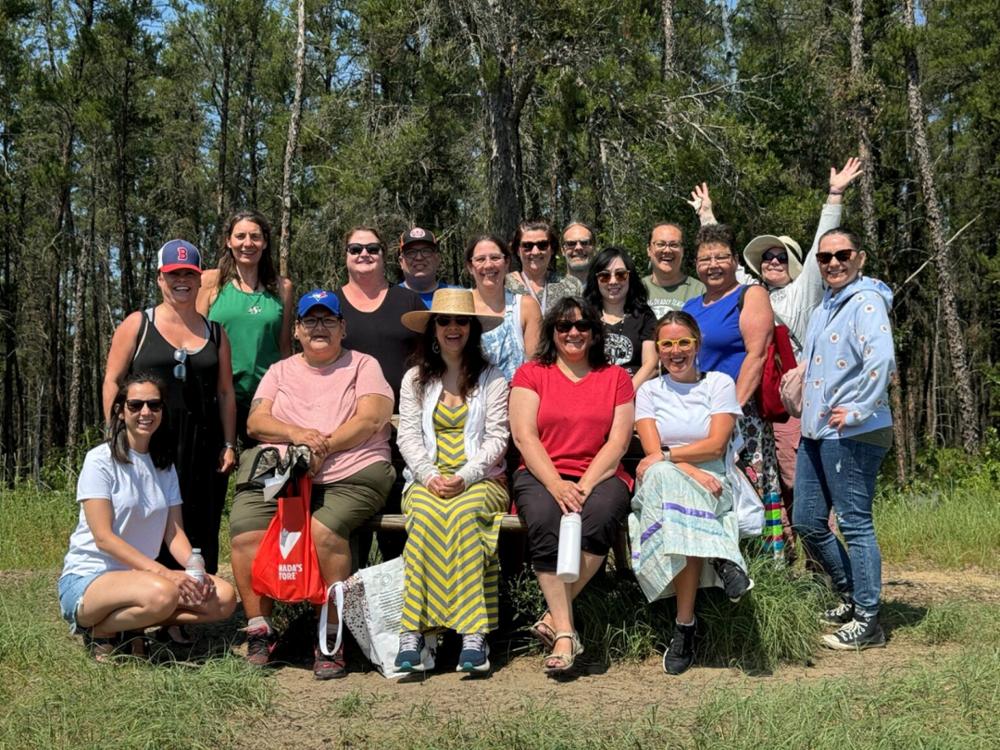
(130, 503)
(682, 512)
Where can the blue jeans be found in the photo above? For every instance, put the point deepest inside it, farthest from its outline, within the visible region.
(841, 474)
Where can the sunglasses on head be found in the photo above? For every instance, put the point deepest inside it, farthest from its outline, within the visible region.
(356, 248)
(446, 320)
(583, 326)
(527, 247)
(619, 274)
(135, 405)
(842, 255)
(779, 255)
(684, 344)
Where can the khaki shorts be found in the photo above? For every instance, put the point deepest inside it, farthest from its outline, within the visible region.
(342, 506)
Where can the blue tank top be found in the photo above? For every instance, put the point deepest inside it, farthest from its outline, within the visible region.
(722, 347)
(504, 345)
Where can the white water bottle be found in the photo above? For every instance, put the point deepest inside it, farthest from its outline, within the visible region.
(195, 566)
(568, 565)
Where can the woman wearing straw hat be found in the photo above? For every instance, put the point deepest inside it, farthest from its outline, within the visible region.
(453, 434)
(796, 289)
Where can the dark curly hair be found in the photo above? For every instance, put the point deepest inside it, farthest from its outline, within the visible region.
(161, 444)
(720, 234)
(636, 298)
(561, 310)
(431, 366)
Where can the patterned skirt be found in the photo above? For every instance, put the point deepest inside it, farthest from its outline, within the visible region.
(758, 460)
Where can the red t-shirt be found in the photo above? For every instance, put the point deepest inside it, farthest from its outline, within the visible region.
(574, 419)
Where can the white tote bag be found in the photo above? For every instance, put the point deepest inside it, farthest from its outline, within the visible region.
(370, 602)
(747, 505)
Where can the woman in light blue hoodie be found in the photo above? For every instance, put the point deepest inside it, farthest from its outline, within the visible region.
(846, 432)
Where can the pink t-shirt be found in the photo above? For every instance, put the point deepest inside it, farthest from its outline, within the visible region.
(574, 419)
(323, 398)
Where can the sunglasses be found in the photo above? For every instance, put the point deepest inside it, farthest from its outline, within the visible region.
(135, 405)
(578, 243)
(779, 255)
(685, 344)
(356, 248)
(583, 326)
(619, 274)
(180, 369)
(419, 252)
(446, 320)
(527, 247)
(842, 255)
(310, 323)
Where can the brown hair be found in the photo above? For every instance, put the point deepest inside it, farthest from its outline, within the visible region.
(266, 274)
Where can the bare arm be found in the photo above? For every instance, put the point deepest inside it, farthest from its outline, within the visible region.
(648, 368)
(524, 429)
(606, 461)
(531, 325)
(840, 180)
(175, 537)
(287, 291)
(701, 202)
(262, 426)
(710, 448)
(371, 415)
(209, 291)
(227, 403)
(119, 359)
(757, 328)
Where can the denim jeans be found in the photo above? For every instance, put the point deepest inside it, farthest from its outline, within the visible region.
(841, 474)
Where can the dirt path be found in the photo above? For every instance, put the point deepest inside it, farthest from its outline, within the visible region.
(315, 714)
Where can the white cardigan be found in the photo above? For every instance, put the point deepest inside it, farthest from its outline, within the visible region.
(486, 428)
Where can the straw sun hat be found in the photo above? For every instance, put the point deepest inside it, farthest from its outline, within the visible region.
(449, 302)
(757, 246)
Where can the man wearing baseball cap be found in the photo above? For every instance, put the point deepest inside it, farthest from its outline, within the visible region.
(419, 257)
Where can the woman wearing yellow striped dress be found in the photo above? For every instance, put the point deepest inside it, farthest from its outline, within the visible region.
(453, 434)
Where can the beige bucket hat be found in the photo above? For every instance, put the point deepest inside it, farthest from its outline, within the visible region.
(757, 246)
(449, 302)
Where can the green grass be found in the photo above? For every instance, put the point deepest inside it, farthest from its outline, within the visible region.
(54, 695)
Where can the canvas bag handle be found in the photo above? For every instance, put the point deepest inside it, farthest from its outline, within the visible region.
(337, 590)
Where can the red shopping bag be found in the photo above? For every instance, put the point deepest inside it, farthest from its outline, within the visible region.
(779, 360)
(286, 567)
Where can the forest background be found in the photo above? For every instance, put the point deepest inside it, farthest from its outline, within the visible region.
(124, 123)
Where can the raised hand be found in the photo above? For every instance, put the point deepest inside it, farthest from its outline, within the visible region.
(701, 202)
(848, 174)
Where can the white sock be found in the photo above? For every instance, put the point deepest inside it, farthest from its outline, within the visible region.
(686, 624)
(256, 622)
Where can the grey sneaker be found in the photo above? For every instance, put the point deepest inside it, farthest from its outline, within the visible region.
(734, 581)
(842, 614)
(475, 654)
(860, 633)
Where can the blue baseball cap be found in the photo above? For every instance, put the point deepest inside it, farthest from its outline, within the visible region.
(178, 254)
(319, 298)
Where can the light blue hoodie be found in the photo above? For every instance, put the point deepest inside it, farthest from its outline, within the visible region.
(849, 360)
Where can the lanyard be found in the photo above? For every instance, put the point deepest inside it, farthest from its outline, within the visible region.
(545, 291)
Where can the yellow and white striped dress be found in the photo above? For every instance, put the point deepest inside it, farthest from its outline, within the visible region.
(452, 570)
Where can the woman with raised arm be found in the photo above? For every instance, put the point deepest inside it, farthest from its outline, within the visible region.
(614, 288)
(571, 415)
(535, 243)
(191, 355)
(252, 303)
(130, 505)
(683, 508)
(453, 434)
(507, 346)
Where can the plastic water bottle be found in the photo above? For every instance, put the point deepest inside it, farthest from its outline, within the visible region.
(568, 563)
(195, 566)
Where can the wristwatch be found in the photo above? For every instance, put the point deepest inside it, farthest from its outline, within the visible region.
(666, 454)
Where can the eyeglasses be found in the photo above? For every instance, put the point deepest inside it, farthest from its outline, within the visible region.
(135, 405)
(841, 255)
(446, 320)
(779, 255)
(583, 326)
(484, 259)
(578, 243)
(527, 247)
(663, 245)
(180, 369)
(684, 344)
(356, 248)
(327, 322)
(720, 259)
(620, 275)
(418, 252)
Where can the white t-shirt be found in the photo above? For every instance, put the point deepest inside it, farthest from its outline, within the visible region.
(683, 411)
(140, 496)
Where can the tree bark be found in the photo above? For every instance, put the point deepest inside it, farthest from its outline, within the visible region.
(293, 137)
(223, 160)
(667, 63)
(946, 283)
(863, 118)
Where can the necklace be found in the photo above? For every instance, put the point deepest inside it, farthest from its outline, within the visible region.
(256, 295)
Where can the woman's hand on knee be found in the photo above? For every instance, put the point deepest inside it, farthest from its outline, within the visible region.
(188, 589)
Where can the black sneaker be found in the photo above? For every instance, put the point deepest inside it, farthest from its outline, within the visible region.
(734, 581)
(260, 643)
(410, 657)
(680, 654)
(329, 667)
(842, 614)
(475, 654)
(860, 633)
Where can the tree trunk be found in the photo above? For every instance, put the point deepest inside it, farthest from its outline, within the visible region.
(220, 177)
(293, 137)
(76, 362)
(863, 118)
(946, 284)
(729, 42)
(667, 63)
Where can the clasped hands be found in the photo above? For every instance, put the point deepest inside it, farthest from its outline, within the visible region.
(315, 441)
(446, 487)
(570, 496)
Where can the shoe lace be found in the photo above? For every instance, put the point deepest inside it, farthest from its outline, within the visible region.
(840, 610)
(473, 642)
(851, 630)
(677, 644)
(411, 641)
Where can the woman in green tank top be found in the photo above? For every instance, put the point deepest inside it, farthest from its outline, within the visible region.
(248, 298)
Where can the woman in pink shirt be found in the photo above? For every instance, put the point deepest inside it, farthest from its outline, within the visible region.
(336, 402)
(571, 416)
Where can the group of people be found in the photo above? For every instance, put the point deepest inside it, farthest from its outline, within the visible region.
(526, 389)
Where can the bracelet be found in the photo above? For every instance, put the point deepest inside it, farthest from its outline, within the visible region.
(231, 446)
(835, 192)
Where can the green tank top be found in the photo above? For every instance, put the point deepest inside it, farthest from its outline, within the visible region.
(253, 325)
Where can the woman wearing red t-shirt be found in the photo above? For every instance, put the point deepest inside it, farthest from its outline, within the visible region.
(571, 416)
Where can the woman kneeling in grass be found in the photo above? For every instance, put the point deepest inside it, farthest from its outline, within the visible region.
(130, 504)
(683, 509)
